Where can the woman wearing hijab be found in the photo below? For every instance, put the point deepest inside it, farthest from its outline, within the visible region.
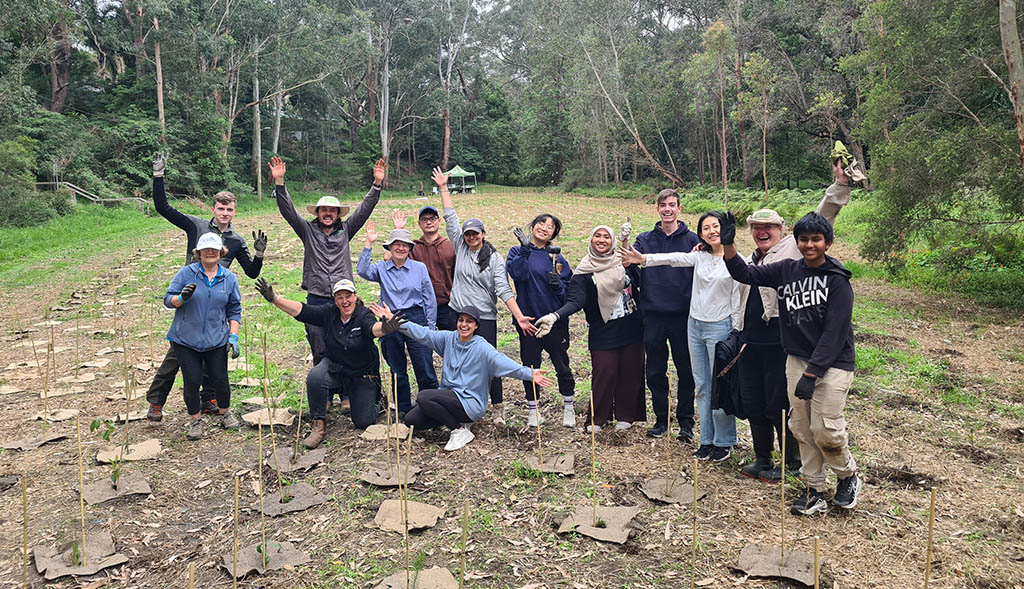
(603, 290)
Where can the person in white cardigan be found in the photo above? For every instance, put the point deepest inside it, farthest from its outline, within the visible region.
(714, 310)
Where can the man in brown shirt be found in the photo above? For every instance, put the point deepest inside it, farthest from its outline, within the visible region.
(435, 251)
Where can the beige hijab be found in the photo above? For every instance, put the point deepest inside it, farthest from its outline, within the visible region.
(609, 275)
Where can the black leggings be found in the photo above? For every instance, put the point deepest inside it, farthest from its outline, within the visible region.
(437, 407)
(193, 363)
(556, 343)
(488, 329)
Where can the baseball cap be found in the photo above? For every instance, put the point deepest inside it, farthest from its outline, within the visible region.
(473, 224)
(209, 241)
(343, 284)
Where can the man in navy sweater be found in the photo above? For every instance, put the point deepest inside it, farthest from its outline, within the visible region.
(665, 302)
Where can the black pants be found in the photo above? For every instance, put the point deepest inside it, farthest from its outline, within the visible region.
(556, 344)
(446, 318)
(437, 407)
(763, 392)
(488, 329)
(315, 333)
(193, 363)
(662, 330)
(363, 392)
(163, 380)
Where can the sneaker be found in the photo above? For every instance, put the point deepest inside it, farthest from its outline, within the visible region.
(847, 492)
(534, 418)
(809, 503)
(622, 425)
(195, 430)
(593, 428)
(209, 407)
(719, 454)
(657, 431)
(755, 468)
(459, 438)
(685, 436)
(499, 414)
(569, 416)
(774, 475)
(704, 452)
(155, 412)
(229, 421)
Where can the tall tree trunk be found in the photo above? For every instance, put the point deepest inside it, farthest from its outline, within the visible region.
(446, 136)
(278, 107)
(60, 68)
(257, 133)
(1014, 65)
(764, 151)
(721, 104)
(741, 127)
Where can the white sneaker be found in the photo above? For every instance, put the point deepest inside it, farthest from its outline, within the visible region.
(458, 439)
(593, 428)
(622, 425)
(534, 418)
(569, 416)
(499, 413)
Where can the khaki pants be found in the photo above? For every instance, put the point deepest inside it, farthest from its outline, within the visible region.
(819, 425)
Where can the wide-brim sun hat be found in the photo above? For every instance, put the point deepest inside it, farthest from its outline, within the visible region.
(767, 216)
(343, 284)
(402, 235)
(328, 201)
(209, 241)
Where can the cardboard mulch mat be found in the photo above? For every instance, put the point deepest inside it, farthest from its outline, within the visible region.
(240, 363)
(303, 496)
(379, 431)
(142, 451)
(280, 555)
(421, 516)
(616, 519)
(81, 378)
(560, 464)
(139, 393)
(258, 399)
(9, 389)
(249, 381)
(679, 492)
(7, 482)
(388, 476)
(133, 416)
(55, 415)
(33, 443)
(54, 563)
(24, 364)
(432, 578)
(61, 392)
(103, 490)
(758, 560)
(21, 376)
(280, 416)
(305, 461)
(95, 363)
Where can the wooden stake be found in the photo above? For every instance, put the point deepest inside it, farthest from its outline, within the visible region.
(405, 502)
(668, 446)
(271, 407)
(782, 496)
(693, 541)
(816, 561)
(931, 529)
(593, 453)
(159, 81)
(387, 416)
(540, 451)
(263, 521)
(298, 430)
(234, 549)
(465, 533)
(78, 340)
(43, 380)
(394, 404)
(191, 576)
(24, 530)
(81, 484)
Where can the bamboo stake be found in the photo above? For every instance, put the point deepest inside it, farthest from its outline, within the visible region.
(234, 550)
(465, 533)
(931, 529)
(270, 416)
(593, 453)
(394, 403)
(191, 576)
(24, 530)
(693, 541)
(782, 495)
(43, 380)
(263, 521)
(149, 333)
(298, 430)
(387, 417)
(816, 561)
(540, 451)
(78, 345)
(81, 484)
(405, 503)
(668, 446)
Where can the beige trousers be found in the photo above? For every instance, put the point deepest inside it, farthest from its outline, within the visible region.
(819, 426)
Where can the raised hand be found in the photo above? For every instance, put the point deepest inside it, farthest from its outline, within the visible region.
(625, 231)
(277, 169)
(371, 232)
(265, 289)
(392, 324)
(380, 311)
(186, 293)
(159, 165)
(521, 236)
(259, 242)
(728, 231)
(440, 178)
(399, 219)
(380, 170)
(631, 256)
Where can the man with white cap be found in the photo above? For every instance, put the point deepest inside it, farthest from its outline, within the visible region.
(351, 363)
(325, 239)
(404, 286)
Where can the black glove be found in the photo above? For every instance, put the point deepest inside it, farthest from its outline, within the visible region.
(805, 387)
(259, 242)
(265, 289)
(554, 280)
(391, 325)
(523, 240)
(728, 231)
(186, 293)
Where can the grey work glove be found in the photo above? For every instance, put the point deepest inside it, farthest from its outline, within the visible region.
(186, 293)
(523, 240)
(159, 165)
(265, 289)
(259, 242)
(545, 323)
(390, 326)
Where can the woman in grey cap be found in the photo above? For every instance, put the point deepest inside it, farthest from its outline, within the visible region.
(480, 279)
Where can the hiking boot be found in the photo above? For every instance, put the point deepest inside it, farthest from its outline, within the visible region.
(345, 406)
(755, 468)
(847, 492)
(809, 502)
(316, 434)
(569, 416)
(704, 452)
(209, 407)
(720, 454)
(622, 426)
(657, 431)
(459, 438)
(534, 418)
(155, 412)
(195, 430)
(499, 414)
(229, 421)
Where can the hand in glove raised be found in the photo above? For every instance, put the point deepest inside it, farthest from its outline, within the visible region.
(521, 236)
(389, 326)
(728, 231)
(259, 242)
(265, 289)
(186, 293)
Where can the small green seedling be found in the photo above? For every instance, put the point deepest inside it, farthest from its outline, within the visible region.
(265, 554)
(104, 427)
(115, 471)
(76, 554)
(601, 523)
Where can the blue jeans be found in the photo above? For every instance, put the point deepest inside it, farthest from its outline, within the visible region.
(716, 428)
(394, 346)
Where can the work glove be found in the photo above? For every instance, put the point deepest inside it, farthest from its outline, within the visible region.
(186, 293)
(523, 240)
(728, 231)
(265, 289)
(554, 280)
(159, 165)
(259, 242)
(545, 323)
(390, 326)
(841, 154)
(805, 387)
(625, 231)
(233, 345)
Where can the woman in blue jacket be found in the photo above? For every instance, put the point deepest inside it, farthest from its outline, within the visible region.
(208, 308)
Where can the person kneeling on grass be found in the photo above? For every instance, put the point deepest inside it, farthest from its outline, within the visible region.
(469, 364)
(208, 308)
(815, 312)
(351, 362)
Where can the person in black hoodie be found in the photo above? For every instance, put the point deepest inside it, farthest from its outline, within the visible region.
(815, 312)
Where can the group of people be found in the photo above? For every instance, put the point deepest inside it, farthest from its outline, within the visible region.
(671, 290)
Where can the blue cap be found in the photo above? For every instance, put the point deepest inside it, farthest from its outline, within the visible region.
(429, 209)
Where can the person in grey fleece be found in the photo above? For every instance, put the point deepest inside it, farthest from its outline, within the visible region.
(480, 279)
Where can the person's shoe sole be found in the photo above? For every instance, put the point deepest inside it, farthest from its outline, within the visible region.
(856, 494)
(654, 433)
(721, 458)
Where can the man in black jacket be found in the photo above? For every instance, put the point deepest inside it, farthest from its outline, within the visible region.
(815, 312)
(223, 210)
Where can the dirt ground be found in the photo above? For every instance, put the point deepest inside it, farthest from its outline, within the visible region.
(942, 407)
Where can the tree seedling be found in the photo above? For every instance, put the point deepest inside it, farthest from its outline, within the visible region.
(600, 523)
(271, 408)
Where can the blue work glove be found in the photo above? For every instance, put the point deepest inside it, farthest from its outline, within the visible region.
(233, 345)
(805, 387)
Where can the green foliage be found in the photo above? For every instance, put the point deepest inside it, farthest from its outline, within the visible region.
(20, 204)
